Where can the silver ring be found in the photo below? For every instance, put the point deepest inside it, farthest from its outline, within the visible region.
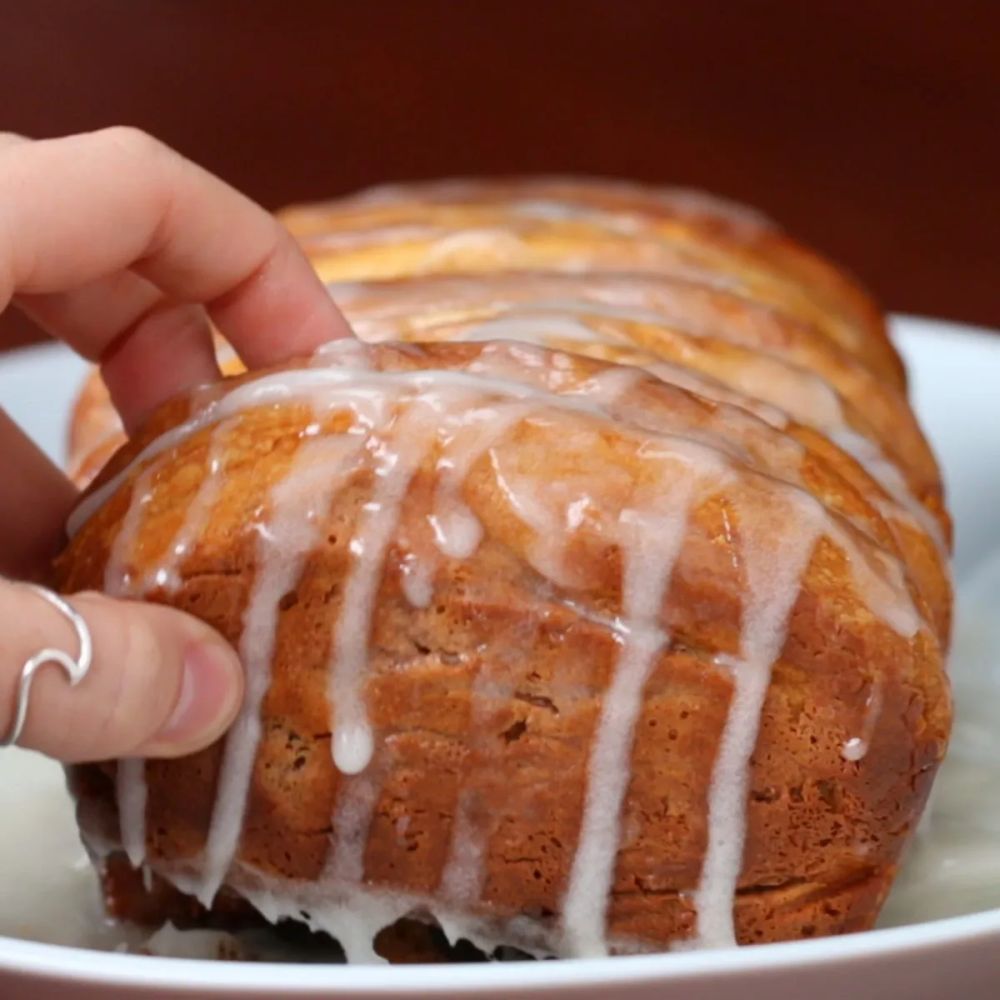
(75, 669)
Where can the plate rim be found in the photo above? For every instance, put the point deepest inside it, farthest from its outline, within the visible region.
(60, 962)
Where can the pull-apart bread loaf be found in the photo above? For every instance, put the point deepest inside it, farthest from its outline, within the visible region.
(595, 600)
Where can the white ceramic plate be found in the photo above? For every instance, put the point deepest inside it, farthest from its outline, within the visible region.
(955, 374)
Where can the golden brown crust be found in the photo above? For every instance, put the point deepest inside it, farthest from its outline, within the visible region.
(489, 698)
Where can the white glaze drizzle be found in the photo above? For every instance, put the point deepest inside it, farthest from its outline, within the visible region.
(774, 553)
(131, 791)
(880, 581)
(417, 579)
(856, 748)
(353, 239)
(345, 865)
(560, 198)
(462, 878)
(588, 307)
(118, 571)
(464, 431)
(807, 397)
(534, 329)
(888, 475)
(608, 387)
(550, 210)
(321, 466)
(650, 539)
(355, 913)
(456, 529)
(704, 385)
(165, 573)
(351, 821)
(130, 778)
(130, 773)
(464, 870)
(395, 464)
(498, 245)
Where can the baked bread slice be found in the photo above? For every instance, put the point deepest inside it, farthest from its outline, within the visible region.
(597, 602)
(548, 649)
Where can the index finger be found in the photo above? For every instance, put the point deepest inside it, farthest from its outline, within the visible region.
(76, 209)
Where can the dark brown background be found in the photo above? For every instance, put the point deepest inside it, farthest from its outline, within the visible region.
(869, 128)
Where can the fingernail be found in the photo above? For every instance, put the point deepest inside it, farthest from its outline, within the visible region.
(208, 701)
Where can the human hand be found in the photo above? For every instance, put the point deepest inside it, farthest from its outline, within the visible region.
(126, 251)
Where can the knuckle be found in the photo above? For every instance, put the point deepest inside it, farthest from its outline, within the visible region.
(130, 660)
(140, 653)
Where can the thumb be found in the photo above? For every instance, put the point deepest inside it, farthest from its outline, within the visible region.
(161, 683)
